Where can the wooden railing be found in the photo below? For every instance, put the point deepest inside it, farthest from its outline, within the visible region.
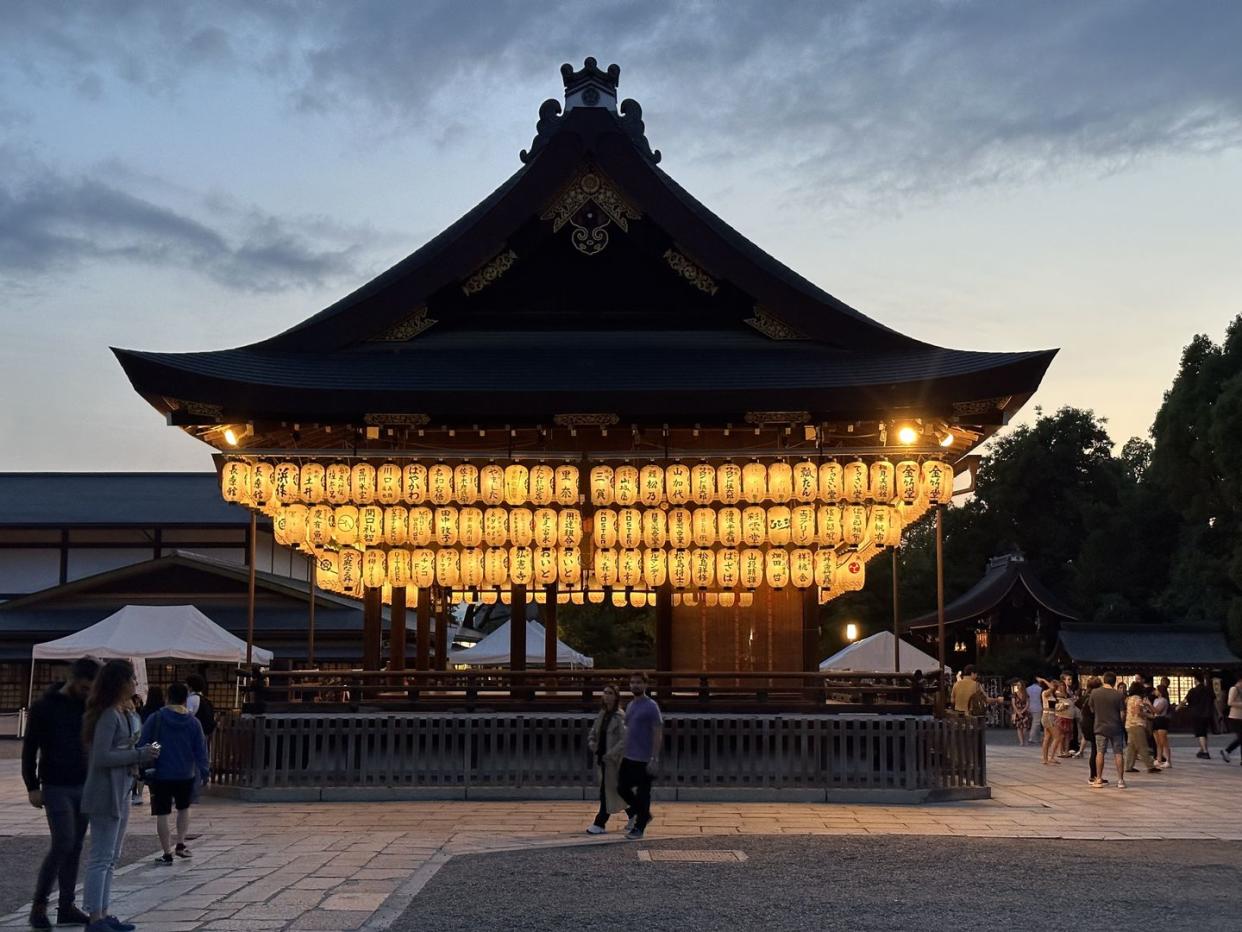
(571, 690)
(461, 751)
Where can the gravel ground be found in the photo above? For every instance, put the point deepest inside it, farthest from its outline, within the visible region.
(837, 883)
(21, 855)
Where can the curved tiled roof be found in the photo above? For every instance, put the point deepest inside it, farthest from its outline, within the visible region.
(1003, 573)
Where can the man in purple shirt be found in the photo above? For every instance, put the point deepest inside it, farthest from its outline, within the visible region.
(644, 737)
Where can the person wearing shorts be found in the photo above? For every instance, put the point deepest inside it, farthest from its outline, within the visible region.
(180, 768)
(1108, 709)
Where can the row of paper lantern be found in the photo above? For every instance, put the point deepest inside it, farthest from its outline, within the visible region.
(620, 598)
(447, 526)
(263, 484)
(702, 569)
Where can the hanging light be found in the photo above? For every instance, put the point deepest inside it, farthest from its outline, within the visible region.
(777, 568)
(883, 482)
(680, 528)
(289, 525)
(826, 569)
(851, 573)
(855, 524)
(466, 484)
(546, 569)
(422, 525)
(440, 484)
(630, 568)
(506, 596)
(521, 566)
(235, 482)
(641, 599)
(566, 484)
(414, 484)
(780, 525)
(703, 568)
(521, 526)
(728, 568)
(754, 525)
(517, 484)
(448, 568)
(651, 485)
(446, 526)
(595, 592)
(471, 567)
(802, 526)
(711, 599)
(362, 483)
(689, 598)
(625, 485)
(729, 483)
(388, 485)
(851, 632)
(396, 525)
(319, 525)
(751, 575)
(679, 570)
(780, 482)
(805, 481)
(655, 567)
(745, 599)
(345, 525)
(489, 596)
(856, 477)
(423, 567)
(496, 527)
(729, 526)
(262, 483)
(605, 564)
(311, 483)
(703, 523)
(727, 599)
(629, 527)
(945, 438)
(938, 482)
(496, 566)
(885, 526)
(374, 569)
(349, 563)
(286, 483)
(542, 484)
(909, 481)
(569, 566)
(327, 570)
(677, 484)
(618, 600)
(492, 484)
(605, 530)
(755, 482)
(545, 527)
(802, 568)
(601, 485)
(470, 527)
(370, 525)
(569, 527)
(831, 482)
(703, 484)
(400, 568)
(655, 527)
(907, 434)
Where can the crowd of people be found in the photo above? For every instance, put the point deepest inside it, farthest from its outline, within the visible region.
(91, 745)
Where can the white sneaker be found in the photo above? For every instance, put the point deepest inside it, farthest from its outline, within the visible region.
(596, 829)
(1121, 784)
(629, 826)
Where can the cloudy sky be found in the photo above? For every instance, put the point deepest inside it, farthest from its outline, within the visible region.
(984, 175)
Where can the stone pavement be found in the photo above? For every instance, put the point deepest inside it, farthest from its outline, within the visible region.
(351, 866)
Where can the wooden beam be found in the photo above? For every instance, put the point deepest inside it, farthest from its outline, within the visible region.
(664, 628)
(896, 619)
(549, 627)
(941, 692)
(372, 627)
(442, 641)
(250, 561)
(396, 630)
(422, 652)
(810, 630)
(517, 629)
(310, 610)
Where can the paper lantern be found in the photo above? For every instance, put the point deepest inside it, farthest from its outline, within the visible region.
(909, 481)
(629, 527)
(727, 599)
(492, 484)
(703, 568)
(703, 523)
(642, 599)
(578, 597)
(677, 484)
(711, 599)
(569, 527)
(883, 481)
(327, 570)
(289, 525)
(729, 526)
(569, 568)
(440, 484)
(831, 482)
(345, 525)
(235, 482)
(851, 573)
(470, 527)
(521, 526)
(489, 597)
(630, 568)
(448, 568)
(780, 525)
(689, 598)
(754, 525)
(423, 567)
(465, 484)
(802, 528)
(680, 528)
(651, 485)
(826, 569)
(545, 533)
(396, 525)
(605, 528)
(374, 569)
(618, 600)
(828, 526)
(285, 481)
(655, 527)
(938, 482)
(349, 562)
(496, 527)
(472, 567)
(728, 568)
(388, 484)
(336, 484)
(605, 566)
(655, 567)
(780, 482)
(729, 483)
(362, 483)
(703, 484)
(601, 485)
(320, 525)
(262, 483)
(885, 528)
(802, 568)
(805, 481)
(542, 484)
(521, 566)
(679, 573)
(754, 482)
(856, 477)
(414, 484)
(546, 570)
(496, 566)
(400, 568)
(422, 526)
(370, 525)
(566, 484)
(776, 568)
(854, 524)
(625, 485)
(751, 572)
(446, 526)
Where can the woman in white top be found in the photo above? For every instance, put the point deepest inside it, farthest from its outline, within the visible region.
(1235, 717)
(1160, 709)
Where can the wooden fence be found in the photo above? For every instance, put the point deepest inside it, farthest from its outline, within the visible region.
(471, 750)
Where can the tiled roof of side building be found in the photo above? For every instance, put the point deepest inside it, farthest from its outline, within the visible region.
(118, 499)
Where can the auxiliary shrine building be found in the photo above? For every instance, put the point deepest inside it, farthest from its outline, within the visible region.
(655, 412)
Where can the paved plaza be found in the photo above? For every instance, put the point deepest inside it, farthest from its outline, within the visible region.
(350, 866)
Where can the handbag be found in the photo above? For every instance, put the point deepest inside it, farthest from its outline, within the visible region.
(978, 703)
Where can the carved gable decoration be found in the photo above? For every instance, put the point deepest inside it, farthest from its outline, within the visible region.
(407, 328)
(589, 205)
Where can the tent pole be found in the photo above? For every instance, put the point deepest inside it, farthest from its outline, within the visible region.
(896, 619)
(30, 694)
(250, 559)
(942, 686)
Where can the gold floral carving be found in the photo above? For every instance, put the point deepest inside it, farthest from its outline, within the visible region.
(203, 409)
(490, 272)
(590, 228)
(690, 272)
(772, 328)
(981, 406)
(406, 329)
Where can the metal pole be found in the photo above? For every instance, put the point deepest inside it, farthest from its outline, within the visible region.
(310, 611)
(896, 619)
(250, 592)
(943, 686)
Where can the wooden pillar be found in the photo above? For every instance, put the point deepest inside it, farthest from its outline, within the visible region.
(896, 619)
(442, 625)
(549, 627)
(396, 630)
(250, 560)
(310, 611)
(517, 629)
(664, 629)
(942, 692)
(372, 627)
(422, 616)
(810, 630)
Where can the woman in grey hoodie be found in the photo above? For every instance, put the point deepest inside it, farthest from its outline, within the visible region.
(110, 735)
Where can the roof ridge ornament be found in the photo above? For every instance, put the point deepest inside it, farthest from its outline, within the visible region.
(590, 87)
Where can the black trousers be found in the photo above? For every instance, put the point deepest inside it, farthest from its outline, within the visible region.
(1235, 725)
(1094, 750)
(601, 817)
(634, 786)
(63, 807)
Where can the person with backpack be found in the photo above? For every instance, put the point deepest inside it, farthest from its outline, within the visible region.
(200, 706)
(181, 766)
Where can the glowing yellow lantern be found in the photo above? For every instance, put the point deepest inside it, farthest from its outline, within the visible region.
(745, 599)
(885, 526)
(320, 525)
(400, 568)
(629, 527)
(289, 525)
(423, 567)
(909, 482)
(851, 573)
(546, 570)
(470, 527)
(727, 599)
(345, 525)
(780, 482)
(805, 481)
(521, 566)
(702, 568)
(349, 563)
(802, 529)
(235, 482)
(856, 476)
(655, 567)
(472, 567)
(751, 574)
(362, 483)
(938, 482)
(728, 568)
(703, 484)
(655, 527)
(605, 528)
(492, 484)
(370, 525)
(677, 484)
(578, 597)
(729, 526)
(414, 484)
(262, 483)
(689, 598)
(422, 526)
(446, 526)
(704, 527)
(311, 478)
(396, 525)
(755, 482)
(802, 568)
(651, 485)
(854, 520)
(440, 484)
(625, 485)
(776, 568)
(542, 484)
(606, 566)
(828, 526)
(496, 566)
(374, 569)
(521, 526)
(754, 525)
(679, 570)
(831, 482)
(448, 568)
(826, 569)
(286, 483)
(466, 483)
(388, 484)
(336, 484)
(642, 599)
(496, 527)
(630, 568)
(711, 599)
(545, 527)
(680, 528)
(569, 527)
(566, 483)
(883, 482)
(729, 483)
(327, 570)
(601, 485)
(569, 566)
(780, 525)
(618, 600)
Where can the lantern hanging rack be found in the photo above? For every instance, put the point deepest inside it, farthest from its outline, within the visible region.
(578, 456)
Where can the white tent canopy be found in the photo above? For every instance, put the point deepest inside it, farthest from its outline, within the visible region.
(874, 654)
(149, 632)
(493, 650)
